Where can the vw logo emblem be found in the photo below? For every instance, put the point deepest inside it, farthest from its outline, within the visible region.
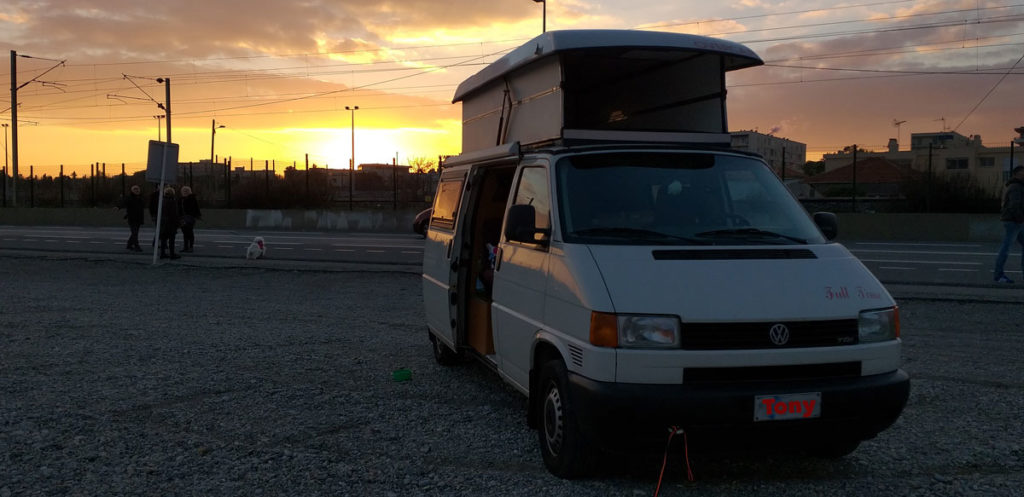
(779, 334)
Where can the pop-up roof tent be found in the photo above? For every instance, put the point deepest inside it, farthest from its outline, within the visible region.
(608, 85)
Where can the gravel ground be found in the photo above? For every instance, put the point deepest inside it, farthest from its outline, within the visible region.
(125, 379)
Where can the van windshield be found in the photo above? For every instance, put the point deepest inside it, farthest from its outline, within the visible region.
(677, 199)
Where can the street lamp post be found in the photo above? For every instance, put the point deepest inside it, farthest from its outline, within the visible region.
(159, 136)
(352, 165)
(213, 133)
(544, 15)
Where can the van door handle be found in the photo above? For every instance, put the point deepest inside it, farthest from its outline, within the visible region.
(497, 259)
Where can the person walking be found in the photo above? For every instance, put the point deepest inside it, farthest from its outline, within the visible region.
(189, 215)
(169, 223)
(1012, 217)
(134, 213)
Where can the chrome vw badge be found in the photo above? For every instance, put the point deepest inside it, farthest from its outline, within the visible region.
(779, 334)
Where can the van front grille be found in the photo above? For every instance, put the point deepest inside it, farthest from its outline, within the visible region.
(732, 336)
(771, 373)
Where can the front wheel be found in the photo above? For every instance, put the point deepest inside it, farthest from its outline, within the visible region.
(566, 453)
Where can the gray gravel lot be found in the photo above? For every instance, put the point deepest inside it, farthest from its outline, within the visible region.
(128, 379)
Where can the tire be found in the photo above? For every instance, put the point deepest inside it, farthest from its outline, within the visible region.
(443, 354)
(566, 453)
(834, 448)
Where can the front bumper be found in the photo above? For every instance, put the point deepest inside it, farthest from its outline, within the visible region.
(616, 414)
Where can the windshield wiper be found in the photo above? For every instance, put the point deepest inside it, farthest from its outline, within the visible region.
(635, 233)
(747, 232)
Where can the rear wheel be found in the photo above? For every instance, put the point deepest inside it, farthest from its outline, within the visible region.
(443, 354)
(566, 453)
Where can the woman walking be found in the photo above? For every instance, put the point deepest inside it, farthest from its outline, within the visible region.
(169, 223)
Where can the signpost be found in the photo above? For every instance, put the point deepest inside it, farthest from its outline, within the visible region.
(162, 168)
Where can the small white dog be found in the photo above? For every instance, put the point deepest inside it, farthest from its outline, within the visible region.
(257, 249)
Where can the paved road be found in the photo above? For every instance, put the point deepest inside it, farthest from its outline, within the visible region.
(964, 263)
(937, 263)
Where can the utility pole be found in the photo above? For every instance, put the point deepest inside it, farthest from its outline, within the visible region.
(213, 133)
(14, 128)
(5, 125)
(352, 165)
(928, 184)
(14, 115)
(854, 178)
(167, 105)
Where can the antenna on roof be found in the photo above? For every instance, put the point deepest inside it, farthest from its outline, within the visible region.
(897, 124)
(943, 119)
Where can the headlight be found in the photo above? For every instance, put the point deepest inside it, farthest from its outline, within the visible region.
(634, 331)
(879, 325)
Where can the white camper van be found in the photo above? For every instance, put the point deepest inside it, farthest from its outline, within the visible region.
(601, 247)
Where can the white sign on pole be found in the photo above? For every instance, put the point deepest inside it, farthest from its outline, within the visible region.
(162, 162)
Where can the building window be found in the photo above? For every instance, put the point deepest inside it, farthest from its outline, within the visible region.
(958, 163)
(986, 162)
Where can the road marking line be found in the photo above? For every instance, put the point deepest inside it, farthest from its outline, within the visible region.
(412, 251)
(920, 252)
(284, 248)
(896, 267)
(923, 262)
(375, 251)
(959, 270)
(313, 249)
(918, 244)
(343, 250)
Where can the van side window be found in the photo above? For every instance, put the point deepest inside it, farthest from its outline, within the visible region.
(533, 190)
(446, 203)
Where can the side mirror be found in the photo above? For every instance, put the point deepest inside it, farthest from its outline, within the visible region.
(522, 224)
(828, 223)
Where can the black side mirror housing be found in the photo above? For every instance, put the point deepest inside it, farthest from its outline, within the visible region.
(828, 223)
(522, 224)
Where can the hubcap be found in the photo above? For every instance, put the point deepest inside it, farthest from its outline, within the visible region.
(553, 420)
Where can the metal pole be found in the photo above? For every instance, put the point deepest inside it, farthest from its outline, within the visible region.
(14, 128)
(928, 183)
(123, 180)
(62, 185)
(307, 179)
(32, 186)
(167, 104)
(5, 125)
(352, 165)
(854, 178)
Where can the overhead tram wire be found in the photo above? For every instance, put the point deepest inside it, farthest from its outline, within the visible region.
(988, 93)
(434, 69)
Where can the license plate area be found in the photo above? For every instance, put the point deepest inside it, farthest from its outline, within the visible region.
(787, 406)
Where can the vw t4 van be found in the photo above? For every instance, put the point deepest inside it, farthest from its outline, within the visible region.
(600, 246)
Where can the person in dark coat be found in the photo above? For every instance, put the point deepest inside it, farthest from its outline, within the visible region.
(189, 215)
(169, 223)
(134, 213)
(1012, 216)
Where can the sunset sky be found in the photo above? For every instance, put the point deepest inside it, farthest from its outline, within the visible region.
(278, 74)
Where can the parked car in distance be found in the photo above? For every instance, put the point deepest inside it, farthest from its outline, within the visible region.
(419, 224)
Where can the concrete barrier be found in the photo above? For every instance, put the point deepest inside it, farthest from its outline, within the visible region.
(852, 226)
